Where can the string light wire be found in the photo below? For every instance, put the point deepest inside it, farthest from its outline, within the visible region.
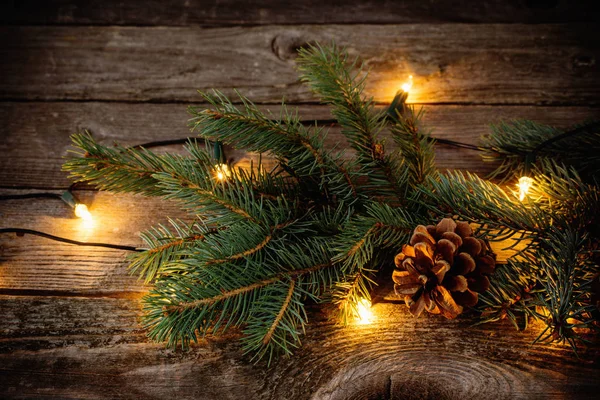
(22, 232)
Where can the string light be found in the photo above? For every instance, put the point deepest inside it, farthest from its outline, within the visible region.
(82, 212)
(398, 105)
(80, 209)
(22, 232)
(365, 315)
(406, 86)
(222, 172)
(524, 185)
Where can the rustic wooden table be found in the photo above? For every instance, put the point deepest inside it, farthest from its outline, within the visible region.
(125, 71)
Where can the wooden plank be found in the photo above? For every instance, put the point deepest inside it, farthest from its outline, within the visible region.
(34, 137)
(451, 63)
(395, 355)
(32, 323)
(237, 12)
(126, 371)
(34, 263)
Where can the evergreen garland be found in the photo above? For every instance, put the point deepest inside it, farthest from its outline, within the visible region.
(318, 226)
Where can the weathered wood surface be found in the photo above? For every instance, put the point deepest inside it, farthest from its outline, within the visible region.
(59, 349)
(31, 323)
(451, 63)
(70, 314)
(265, 12)
(34, 263)
(47, 128)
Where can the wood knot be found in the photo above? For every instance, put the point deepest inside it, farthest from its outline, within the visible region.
(286, 45)
(424, 375)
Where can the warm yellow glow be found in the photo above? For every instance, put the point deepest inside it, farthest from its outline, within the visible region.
(406, 86)
(222, 172)
(365, 315)
(82, 212)
(524, 185)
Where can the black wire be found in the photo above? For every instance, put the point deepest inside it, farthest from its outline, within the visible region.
(458, 144)
(159, 143)
(573, 132)
(533, 153)
(39, 195)
(21, 232)
(531, 156)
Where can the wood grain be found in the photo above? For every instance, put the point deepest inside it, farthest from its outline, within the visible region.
(237, 12)
(70, 315)
(451, 63)
(32, 323)
(397, 356)
(126, 371)
(34, 263)
(33, 148)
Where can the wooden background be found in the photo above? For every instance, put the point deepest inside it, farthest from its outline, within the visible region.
(126, 72)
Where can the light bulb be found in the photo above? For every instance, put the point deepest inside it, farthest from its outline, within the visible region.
(406, 86)
(524, 184)
(365, 315)
(82, 212)
(222, 172)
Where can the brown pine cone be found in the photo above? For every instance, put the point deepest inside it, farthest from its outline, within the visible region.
(443, 269)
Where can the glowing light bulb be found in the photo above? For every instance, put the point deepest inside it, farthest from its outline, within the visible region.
(82, 212)
(222, 172)
(524, 185)
(406, 86)
(365, 315)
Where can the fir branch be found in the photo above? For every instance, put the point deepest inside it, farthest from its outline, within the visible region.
(476, 200)
(278, 324)
(116, 169)
(381, 227)
(243, 254)
(518, 144)
(269, 335)
(567, 272)
(328, 72)
(560, 191)
(295, 146)
(265, 242)
(192, 182)
(415, 147)
(511, 293)
(246, 289)
(347, 294)
(165, 246)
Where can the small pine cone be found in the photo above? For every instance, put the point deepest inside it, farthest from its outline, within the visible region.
(443, 269)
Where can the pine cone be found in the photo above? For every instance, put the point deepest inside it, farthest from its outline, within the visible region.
(443, 269)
